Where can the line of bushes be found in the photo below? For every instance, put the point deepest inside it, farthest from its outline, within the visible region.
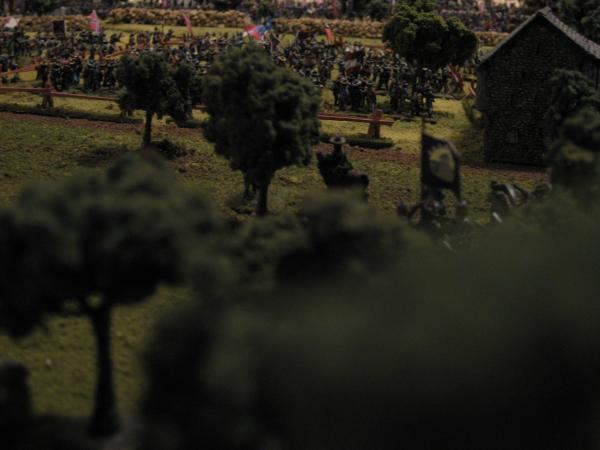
(230, 19)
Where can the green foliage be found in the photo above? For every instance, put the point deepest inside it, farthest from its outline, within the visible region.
(42, 6)
(419, 5)
(195, 407)
(471, 113)
(427, 39)
(590, 25)
(94, 241)
(225, 5)
(152, 86)
(259, 246)
(572, 123)
(262, 117)
(460, 42)
(583, 15)
(569, 92)
(118, 235)
(266, 9)
(335, 234)
(377, 9)
(344, 236)
(575, 161)
(435, 353)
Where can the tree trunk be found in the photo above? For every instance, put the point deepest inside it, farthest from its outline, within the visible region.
(261, 205)
(105, 420)
(148, 129)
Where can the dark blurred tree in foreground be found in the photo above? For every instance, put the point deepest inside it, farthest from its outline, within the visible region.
(495, 348)
(262, 117)
(92, 242)
(576, 154)
(333, 234)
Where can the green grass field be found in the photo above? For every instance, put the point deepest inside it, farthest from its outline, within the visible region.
(36, 148)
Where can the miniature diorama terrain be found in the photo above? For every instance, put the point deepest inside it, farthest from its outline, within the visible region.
(299, 225)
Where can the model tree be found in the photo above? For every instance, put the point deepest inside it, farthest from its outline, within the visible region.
(426, 39)
(569, 92)
(262, 118)
(149, 85)
(583, 15)
(575, 155)
(93, 242)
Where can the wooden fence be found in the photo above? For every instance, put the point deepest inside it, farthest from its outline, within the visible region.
(375, 120)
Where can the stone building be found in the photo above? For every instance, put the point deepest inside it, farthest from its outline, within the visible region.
(512, 81)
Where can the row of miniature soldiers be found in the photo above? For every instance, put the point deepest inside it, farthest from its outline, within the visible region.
(64, 75)
(354, 93)
(417, 101)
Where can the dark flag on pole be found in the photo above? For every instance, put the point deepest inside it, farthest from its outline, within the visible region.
(440, 165)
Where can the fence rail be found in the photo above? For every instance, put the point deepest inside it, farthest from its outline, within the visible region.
(375, 120)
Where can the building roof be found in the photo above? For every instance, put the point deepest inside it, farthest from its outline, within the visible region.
(588, 46)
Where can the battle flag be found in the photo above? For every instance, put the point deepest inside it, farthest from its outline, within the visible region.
(329, 34)
(188, 24)
(10, 23)
(440, 165)
(94, 22)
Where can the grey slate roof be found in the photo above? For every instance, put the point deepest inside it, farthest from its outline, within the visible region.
(588, 46)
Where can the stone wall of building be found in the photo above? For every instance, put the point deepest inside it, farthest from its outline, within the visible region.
(515, 94)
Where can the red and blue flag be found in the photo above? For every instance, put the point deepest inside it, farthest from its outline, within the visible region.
(258, 31)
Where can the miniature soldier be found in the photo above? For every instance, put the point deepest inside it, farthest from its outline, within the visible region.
(415, 103)
(429, 99)
(43, 73)
(355, 95)
(384, 78)
(394, 95)
(344, 95)
(370, 97)
(336, 88)
(335, 166)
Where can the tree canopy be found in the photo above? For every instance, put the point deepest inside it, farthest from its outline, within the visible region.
(444, 349)
(94, 241)
(569, 92)
(42, 6)
(575, 160)
(425, 38)
(262, 117)
(583, 15)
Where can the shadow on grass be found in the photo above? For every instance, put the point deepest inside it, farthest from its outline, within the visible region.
(101, 156)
